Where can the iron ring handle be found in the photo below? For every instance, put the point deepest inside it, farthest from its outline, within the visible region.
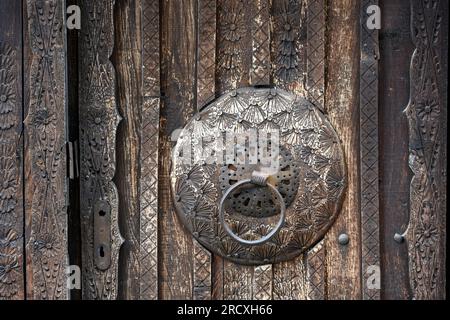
(268, 236)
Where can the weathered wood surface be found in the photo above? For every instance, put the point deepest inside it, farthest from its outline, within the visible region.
(11, 153)
(395, 45)
(126, 58)
(343, 262)
(45, 150)
(178, 48)
(99, 119)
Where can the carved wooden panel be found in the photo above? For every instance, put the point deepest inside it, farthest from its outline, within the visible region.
(426, 113)
(149, 150)
(45, 130)
(98, 122)
(370, 215)
(11, 156)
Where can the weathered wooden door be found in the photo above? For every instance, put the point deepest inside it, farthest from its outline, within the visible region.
(90, 184)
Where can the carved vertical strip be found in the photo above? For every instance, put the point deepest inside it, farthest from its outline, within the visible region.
(206, 67)
(262, 282)
(233, 69)
(99, 119)
(316, 52)
(288, 57)
(315, 85)
(260, 70)
(288, 44)
(426, 114)
(316, 272)
(149, 151)
(11, 155)
(45, 126)
(234, 53)
(202, 273)
(368, 99)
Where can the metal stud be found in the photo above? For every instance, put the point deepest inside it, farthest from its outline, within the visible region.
(343, 239)
(399, 238)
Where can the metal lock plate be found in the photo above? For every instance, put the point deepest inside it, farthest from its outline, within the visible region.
(220, 194)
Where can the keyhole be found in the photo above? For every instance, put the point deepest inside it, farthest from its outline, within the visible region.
(102, 252)
(101, 213)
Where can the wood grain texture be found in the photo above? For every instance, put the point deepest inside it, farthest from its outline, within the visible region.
(149, 150)
(178, 86)
(99, 119)
(45, 138)
(370, 215)
(234, 63)
(395, 176)
(426, 114)
(127, 61)
(11, 153)
(344, 261)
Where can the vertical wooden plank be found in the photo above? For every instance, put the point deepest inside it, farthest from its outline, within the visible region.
(316, 52)
(315, 83)
(233, 71)
(127, 61)
(426, 114)
(149, 151)
(260, 75)
(45, 138)
(395, 176)
(370, 216)
(11, 153)
(206, 63)
(178, 85)
(343, 262)
(288, 44)
(98, 122)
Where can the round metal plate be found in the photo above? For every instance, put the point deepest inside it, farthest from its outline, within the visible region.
(310, 174)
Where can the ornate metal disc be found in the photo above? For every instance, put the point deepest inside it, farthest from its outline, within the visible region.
(307, 169)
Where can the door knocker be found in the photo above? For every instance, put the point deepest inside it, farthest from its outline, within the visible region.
(258, 176)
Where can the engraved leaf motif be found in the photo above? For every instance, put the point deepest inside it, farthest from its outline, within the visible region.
(185, 195)
(234, 103)
(254, 114)
(305, 117)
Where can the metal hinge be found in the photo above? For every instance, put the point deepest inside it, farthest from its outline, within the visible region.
(72, 156)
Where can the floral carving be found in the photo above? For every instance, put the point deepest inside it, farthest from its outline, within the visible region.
(10, 224)
(425, 112)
